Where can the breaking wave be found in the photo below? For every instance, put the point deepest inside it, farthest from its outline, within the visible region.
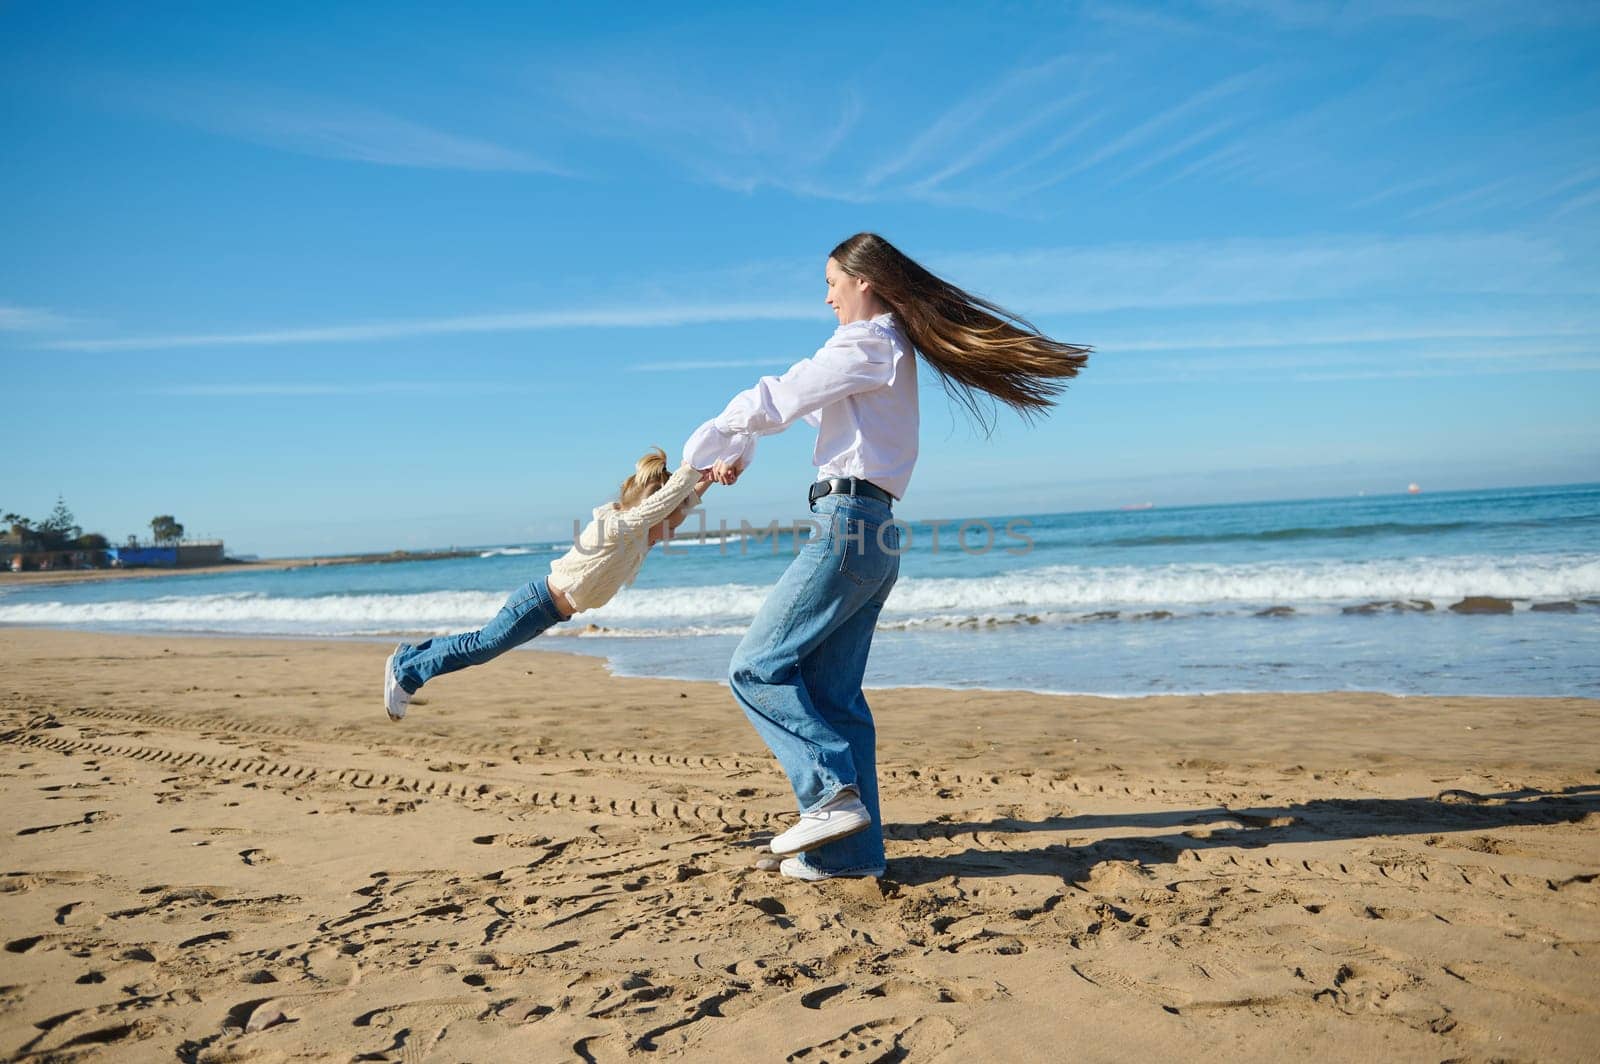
(1049, 594)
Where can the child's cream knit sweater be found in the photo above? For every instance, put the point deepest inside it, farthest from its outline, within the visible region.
(611, 547)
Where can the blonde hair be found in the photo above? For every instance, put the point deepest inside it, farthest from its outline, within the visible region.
(649, 476)
(976, 347)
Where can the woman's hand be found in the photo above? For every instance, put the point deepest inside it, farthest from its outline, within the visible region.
(725, 474)
(705, 482)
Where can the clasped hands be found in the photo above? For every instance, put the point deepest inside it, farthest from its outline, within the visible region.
(721, 472)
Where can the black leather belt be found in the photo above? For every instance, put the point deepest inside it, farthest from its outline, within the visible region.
(866, 489)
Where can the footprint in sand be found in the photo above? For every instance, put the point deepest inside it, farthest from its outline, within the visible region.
(23, 945)
(815, 999)
(418, 1025)
(202, 940)
(254, 857)
(97, 816)
(883, 1039)
(254, 1015)
(511, 840)
(75, 914)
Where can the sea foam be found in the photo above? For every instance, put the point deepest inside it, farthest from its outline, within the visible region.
(1048, 594)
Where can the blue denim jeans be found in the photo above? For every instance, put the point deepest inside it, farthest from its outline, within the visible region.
(527, 612)
(798, 670)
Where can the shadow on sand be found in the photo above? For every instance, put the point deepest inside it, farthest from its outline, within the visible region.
(1318, 820)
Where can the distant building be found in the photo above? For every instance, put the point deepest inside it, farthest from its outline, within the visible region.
(135, 556)
(20, 552)
(200, 552)
(185, 554)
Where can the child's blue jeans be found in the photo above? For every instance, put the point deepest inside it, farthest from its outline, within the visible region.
(527, 612)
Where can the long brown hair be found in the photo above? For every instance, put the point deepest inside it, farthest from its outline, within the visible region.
(975, 346)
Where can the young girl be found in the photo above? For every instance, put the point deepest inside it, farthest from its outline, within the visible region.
(607, 555)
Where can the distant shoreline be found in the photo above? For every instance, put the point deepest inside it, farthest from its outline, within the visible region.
(79, 576)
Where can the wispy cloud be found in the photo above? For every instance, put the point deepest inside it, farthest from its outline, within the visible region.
(687, 365)
(1363, 352)
(1578, 203)
(1251, 272)
(977, 131)
(1147, 20)
(741, 143)
(1477, 197)
(1482, 15)
(1219, 162)
(289, 390)
(1586, 176)
(1582, 176)
(338, 389)
(1144, 131)
(1052, 280)
(1402, 189)
(1553, 365)
(999, 147)
(1496, 340)
(374, 137)
(330, 129)
(29, 319)
(759, 140)
(1352, 366)
(528, 321)
(995, 142)
(1336, 115)
(1178, 147)
(955, 125)
(1526, 188)
(1071, 134)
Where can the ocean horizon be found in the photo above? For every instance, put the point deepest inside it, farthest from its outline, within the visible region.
(1485, 592)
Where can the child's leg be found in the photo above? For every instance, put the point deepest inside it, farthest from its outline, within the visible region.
(527, 612)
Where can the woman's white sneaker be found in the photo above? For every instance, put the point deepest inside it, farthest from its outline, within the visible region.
(796, 868)
(841, 817)
(395, 697)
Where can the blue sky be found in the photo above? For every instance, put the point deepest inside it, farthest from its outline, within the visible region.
(321, 277)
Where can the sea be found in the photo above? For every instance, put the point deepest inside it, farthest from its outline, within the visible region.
(1340, 594)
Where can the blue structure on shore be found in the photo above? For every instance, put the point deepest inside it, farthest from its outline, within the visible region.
(129, 557)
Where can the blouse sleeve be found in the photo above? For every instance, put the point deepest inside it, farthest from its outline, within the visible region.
(857, 358)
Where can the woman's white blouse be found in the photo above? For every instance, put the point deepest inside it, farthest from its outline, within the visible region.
(859, 391)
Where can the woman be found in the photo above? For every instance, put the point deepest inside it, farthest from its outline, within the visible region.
(797, 673)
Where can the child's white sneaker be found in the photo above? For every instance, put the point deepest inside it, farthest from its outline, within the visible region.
(841, 817)
(395, 697)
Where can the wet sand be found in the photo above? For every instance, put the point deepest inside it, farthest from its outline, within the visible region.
(222, 850)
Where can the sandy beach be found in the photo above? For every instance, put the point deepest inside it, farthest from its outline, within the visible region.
(222, 850)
